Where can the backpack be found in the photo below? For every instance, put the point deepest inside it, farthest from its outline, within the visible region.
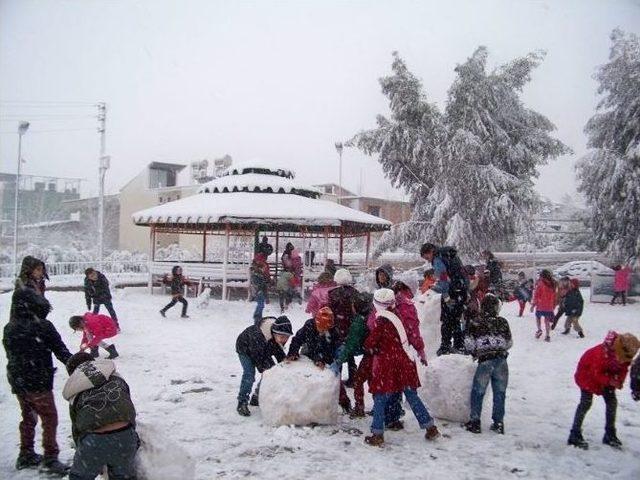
(458, 279)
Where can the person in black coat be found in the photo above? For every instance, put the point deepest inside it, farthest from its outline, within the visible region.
(256, 346)
(96, 290)
(177, 281)
(572, 306)
(29, 340)
(495, 272)
(634, 375)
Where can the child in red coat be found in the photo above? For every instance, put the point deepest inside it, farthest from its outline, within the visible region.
(95, 329)
(600, 371)
(393, 370)
(544, 302)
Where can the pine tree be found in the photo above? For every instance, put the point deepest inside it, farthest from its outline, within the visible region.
(469, 169)
(609, 174)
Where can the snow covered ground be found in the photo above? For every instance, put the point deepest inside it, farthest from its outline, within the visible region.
(184, 376)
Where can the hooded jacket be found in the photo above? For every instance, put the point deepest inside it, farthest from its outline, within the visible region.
(96, 328)
(544, 296)
(319, 347)
(29, 264)
(257, 343)
(388, 270)
(573, 303)
(599, 368)
(341, 303)
(29, 340)
(320, 295)
(488, 337)
(97, 397)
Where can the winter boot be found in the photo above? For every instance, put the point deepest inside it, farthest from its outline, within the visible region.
(395, 426)
(346, 407)
(254, 402)
(575, 439)
(443, 350)
(374, 440)
(432, 433)
(612, 440)
(473, 426)
(113, 353)
(243, 409)
(357, 412)
(538, 333)
(52, 466)
(566, 331)
(547, 338)
(94, 352)
(163, 313)
(497, 427)
(184, 315)
(581, 334)
(28, 460)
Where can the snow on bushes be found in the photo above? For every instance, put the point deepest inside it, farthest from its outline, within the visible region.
(299, 393)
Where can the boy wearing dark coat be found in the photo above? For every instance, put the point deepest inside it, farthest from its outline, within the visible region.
(177, 281)
(635, 379)
(572, 306)
(96, 291)
(341, 300)
(488, 340)
(29, 340)
(319, 340)
(256, 346)
(103, 419)
(600, 371)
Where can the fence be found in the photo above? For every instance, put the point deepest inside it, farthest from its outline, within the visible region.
(78, 268)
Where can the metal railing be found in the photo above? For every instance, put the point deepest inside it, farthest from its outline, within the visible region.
(78, 268)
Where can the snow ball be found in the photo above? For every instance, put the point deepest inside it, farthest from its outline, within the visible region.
(299, 393)
(446, 387)
(160, 458)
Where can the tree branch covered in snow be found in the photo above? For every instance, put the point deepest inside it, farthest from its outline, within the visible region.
(609, 174)
(470, 169)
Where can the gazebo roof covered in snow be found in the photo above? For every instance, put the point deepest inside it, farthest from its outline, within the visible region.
(256, 195)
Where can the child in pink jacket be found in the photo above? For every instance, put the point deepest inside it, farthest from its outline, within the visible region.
(95, 329)
(544, 302)
(320, 293)
(621, 281)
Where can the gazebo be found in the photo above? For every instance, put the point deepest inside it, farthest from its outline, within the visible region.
(248, 201)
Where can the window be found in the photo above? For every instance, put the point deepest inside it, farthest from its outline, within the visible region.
(373, 210)
(161, 178)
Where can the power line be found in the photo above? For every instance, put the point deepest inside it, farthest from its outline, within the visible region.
(45, 103)
(9, 132)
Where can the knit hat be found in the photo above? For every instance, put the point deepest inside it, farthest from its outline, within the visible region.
(625, 347)
(383, 298)
(343, 277)
(282, 326)
(324, 319)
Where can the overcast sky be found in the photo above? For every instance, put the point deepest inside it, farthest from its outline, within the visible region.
(276, 80)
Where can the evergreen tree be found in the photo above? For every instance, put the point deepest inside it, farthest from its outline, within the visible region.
(468, 169)
(609, 174)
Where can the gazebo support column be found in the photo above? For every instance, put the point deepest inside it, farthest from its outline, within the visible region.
(226, 261)
(326, 245)
(204, 245)
(366, 255)
(152, 256)
(341, 245)
(304, 247)
(277, 250)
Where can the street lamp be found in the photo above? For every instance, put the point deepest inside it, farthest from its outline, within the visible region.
(339, 148)
(105, 162)
(22, 129)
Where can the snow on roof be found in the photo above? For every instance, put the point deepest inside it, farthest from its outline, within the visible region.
(246, 207)
(259, 164)
(255, 182)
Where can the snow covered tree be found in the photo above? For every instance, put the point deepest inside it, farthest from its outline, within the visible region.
(470, 169)
(609, 174)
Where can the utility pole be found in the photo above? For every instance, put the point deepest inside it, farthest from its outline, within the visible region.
(103, 165)
(339, 148)
(22, 129)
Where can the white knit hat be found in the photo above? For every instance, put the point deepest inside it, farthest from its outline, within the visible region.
(383, 298)
(343, 277)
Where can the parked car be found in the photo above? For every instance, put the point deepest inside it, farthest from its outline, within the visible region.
(581, 270)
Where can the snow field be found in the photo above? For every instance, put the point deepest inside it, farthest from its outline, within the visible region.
(184, 377)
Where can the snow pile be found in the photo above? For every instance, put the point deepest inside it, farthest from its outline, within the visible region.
(161, 459)
(299, 393)
(428, 307)
(446, 387)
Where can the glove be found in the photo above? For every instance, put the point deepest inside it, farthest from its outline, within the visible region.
(635, 395)
(335, 368)
(89, 306)
(320, 365)
(292, 357)
(424, 362)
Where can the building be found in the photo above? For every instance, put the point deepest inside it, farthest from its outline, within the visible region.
(156, 184)
(395, 211)
(83, 220)
(40, 201)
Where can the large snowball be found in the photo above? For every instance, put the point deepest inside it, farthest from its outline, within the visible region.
(161, 459)
(299, 393)
(428, 308)
(446, 388)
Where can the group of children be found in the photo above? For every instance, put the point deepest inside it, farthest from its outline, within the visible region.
(102, 413)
